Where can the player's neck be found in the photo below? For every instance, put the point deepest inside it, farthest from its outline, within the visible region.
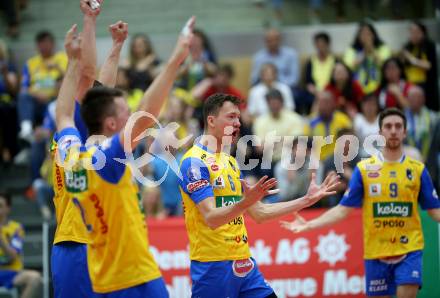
(392, 155)
(212, 143)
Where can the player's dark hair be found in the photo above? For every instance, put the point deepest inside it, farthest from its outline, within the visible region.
(391, 112)
(214, 103)
(98, 104)
(7, 198)
(323, 36)
(43, 35)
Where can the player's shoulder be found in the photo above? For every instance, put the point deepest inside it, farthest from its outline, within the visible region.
(371, 163)
(414, 162)
(195, 152)
(14, 225)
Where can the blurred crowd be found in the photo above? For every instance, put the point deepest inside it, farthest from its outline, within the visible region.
(330, 93)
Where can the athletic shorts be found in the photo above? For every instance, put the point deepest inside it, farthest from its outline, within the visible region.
(70, 273)
(382, 279)
(155, 288)
(7, 278)
(232, 279)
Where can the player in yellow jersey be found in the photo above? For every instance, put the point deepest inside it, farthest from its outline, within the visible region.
(388, 188)
(104, 189)
(215, 198)
(69, 256)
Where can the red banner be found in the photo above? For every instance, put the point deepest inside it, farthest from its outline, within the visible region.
(322, 263)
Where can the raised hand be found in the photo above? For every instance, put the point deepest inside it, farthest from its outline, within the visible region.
(256, 192)
(327, 188)
(297, 226)
(181, 50)
(87, 10)
(72, 44)
(119, 32)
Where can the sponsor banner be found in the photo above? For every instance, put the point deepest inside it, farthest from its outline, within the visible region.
(323, 263)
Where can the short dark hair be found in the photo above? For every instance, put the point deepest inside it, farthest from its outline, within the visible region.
(391, 112)
(322, 35)
(274, 94)
(97, 104)
(226, 69)
(7, 198)
(214, 102)
(44, 34)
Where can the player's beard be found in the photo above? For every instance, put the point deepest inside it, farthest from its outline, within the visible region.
(393, 144)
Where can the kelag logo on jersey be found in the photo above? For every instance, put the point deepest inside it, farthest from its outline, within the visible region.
(76, 181)
(392, 209)
(222, 201)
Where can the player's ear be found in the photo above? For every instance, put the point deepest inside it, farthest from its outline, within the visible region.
(210, 121)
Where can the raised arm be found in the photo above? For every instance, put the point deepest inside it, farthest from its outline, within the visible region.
(109, 70)
(155, 96)
(88, 59)
(261, 212)
(65, 108)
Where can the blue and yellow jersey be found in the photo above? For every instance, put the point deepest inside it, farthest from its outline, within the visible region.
(41, 74)
(212, 176)
(12, 234)
(70, 226)
(389, 193)
(106, 196)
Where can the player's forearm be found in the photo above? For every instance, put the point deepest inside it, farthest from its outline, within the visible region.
(109, 70)
(8, 250)
(265, 212)
(65, 107)
(217, 217)
(88, 48)
(330, 217)
(434, 214)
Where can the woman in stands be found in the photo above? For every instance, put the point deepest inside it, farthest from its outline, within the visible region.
(345, 89)
(393, 90)
(420, 60)
(366, 56)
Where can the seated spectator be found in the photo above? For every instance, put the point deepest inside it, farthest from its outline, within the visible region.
(345, 169)
(393, 90)
(293, 183)
(200, 64)
(11, 10)
(366, 123)
(421, 121)
(281, 122)
(219, 83)
(12, 273)
(319, 67)
(40, 75)
(257, 103)
(365, 57)
(327, 122)
(284, 58)
(420, 58)
(142, 65)
(347, 91)
(8, 112)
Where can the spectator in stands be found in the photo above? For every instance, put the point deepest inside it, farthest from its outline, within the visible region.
(257, 103)
(200, 64)
(345, 89)
(345, 170)
(284, 58)
(293, 182)
(8, 112)
(133, 95)
(366, 122)
(280, 121)
(318, 69)
(142, 64)
(327, 122)
(11, 10)
(393, 89)
(40, 75)
(219, 83)
(12, 273)
(421, 121)
(365, 57)
(420, 59)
